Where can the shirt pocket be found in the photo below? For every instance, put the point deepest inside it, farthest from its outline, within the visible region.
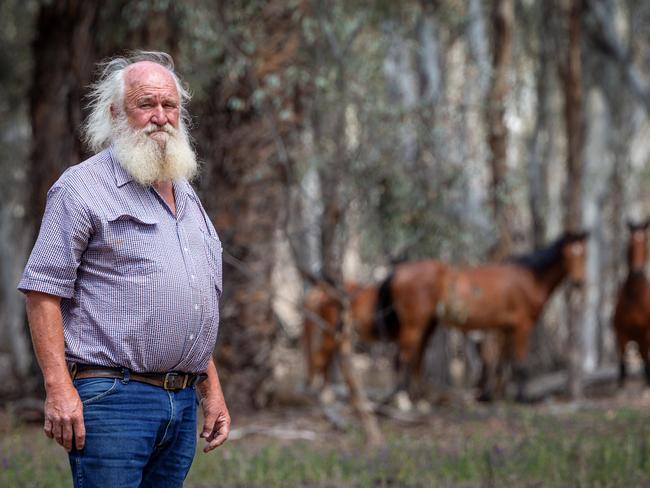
(134, 242)
(213, 253)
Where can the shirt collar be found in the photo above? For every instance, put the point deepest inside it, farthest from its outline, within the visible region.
(121, 176)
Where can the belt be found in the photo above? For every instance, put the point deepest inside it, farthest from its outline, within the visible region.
(169, 381)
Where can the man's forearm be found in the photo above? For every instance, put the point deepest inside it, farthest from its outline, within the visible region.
(212, 385)
(63, 409)
(46, 327)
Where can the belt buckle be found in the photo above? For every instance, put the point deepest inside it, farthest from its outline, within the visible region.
(171, 381)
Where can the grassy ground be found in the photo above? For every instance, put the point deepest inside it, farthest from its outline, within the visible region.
(602, 443)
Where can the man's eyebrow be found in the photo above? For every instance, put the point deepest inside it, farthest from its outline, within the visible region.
(143, 98)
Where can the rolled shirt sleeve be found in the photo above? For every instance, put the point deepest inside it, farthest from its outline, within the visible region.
(62, 240)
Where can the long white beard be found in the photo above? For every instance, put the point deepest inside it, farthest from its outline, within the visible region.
(148, 160)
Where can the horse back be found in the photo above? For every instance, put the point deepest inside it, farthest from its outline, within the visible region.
(492, 296)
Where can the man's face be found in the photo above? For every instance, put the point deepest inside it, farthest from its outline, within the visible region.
(151, 99)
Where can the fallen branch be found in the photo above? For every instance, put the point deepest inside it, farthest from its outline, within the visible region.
(277, 432)
(544, 386)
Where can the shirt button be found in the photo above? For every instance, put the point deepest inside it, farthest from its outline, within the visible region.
(193, 277)
(191, 337)
(185, 249)
(196, 306)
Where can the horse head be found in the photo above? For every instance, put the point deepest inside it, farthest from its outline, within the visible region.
(574, 250)
(637, 250)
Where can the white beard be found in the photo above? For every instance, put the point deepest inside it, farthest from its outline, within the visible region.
(170, 157)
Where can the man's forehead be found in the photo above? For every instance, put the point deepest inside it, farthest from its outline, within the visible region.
(146, 74)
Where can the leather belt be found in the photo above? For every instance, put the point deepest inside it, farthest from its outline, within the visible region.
(168, 381)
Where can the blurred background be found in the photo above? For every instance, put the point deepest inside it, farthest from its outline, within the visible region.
(341, 137)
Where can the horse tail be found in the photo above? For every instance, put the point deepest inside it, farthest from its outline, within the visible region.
(387, 322)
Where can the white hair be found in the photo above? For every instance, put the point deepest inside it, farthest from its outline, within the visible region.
(109, 91)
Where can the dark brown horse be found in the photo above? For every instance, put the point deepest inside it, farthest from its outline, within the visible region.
(509, 296)
(632, 315)
(409, 323)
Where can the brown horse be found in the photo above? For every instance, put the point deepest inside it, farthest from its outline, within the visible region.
(322, 321)
(632, 315)
(509, 297)
(409, 323)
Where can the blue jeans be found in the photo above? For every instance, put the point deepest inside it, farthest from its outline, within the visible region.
(137, 435)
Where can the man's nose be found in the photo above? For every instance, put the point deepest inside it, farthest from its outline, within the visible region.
(159, 117)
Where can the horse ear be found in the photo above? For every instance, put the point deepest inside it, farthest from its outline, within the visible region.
(577, 235)
(637, 225)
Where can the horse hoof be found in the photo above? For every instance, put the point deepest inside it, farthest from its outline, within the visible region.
(327, 396)
(423, 407)
(403, 402)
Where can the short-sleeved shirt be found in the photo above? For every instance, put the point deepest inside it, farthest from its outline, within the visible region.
(140, 286)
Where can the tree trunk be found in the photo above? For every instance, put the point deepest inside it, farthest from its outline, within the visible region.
(242, 191)
(572, 80)
(539, 149)
(540, 140)
(502, 20)
(63, 64)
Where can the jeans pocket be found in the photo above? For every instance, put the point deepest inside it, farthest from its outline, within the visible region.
(94, 389)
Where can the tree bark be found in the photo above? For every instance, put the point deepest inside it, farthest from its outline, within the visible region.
(540, 140)
(502, 20)
(63, 64)
(242, 190)
(572, 81)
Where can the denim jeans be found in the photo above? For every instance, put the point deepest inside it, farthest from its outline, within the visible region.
(137, 435)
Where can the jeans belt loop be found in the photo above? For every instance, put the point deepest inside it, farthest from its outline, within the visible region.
(72, 369)
(126, 373)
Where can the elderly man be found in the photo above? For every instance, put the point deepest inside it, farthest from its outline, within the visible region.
(123, 286)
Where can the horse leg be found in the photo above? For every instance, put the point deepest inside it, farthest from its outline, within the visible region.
(408, 349)
(505, 362)
(489, 352)
(520, 373)
(643, 350)
(407, 342)
(621, 343)
(417, 383)
(323, 358)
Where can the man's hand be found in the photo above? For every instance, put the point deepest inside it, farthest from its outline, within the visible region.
(216, 423)
(64, 416)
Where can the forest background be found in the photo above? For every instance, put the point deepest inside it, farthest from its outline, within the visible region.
(340, 137)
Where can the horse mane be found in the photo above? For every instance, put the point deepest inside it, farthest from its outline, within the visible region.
(386, 320)
(540, 260)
